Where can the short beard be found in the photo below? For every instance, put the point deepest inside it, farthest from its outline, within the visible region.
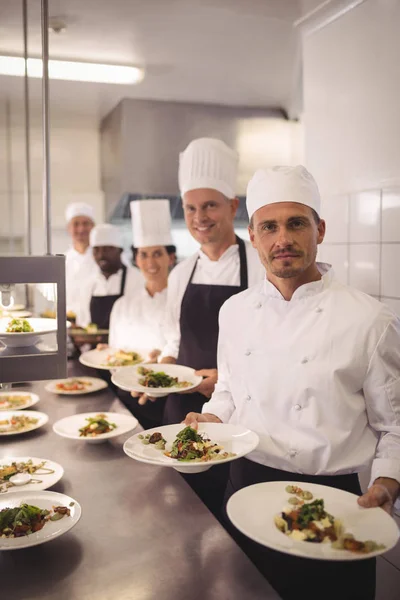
(287, 273)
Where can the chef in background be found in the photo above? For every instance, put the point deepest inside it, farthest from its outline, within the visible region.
(136, 321)
(313, 367)
(110, 280)
(79, 262)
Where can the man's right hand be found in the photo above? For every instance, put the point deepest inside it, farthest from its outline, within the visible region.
(193, 419)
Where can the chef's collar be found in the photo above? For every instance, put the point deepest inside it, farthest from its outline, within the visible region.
(306, 290)
(229, 252)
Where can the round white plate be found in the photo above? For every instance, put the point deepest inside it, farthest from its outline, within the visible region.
(48, 479)
(128, 379)
(18, 307)
(252, 510)
(31, 400)
(52, 529)
(41, 417)
(69, 426)
(95, 385)
(97, 359)
(233, 438)
(16, 340)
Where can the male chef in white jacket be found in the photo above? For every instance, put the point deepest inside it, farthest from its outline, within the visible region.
(312, 366)
(79, 262)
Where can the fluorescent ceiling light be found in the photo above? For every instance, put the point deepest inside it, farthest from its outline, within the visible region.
(72, 71)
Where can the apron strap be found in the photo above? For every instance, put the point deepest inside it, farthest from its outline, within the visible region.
(123, 280)
(244, 278)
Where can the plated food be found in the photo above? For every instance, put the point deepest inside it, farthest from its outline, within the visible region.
(311, 521)
(111, 358)
(95, 427)
(188, 450)
(76, 386)
(15, 423)
(25, 332)
(43, 473)
(19, 326)
(156, 380)
(123, 358)
(30, 518)
(17, 400)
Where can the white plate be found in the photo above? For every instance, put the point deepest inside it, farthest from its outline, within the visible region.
(42, 420)
(18, 307)
(252, 510)
(96, 385)
(16, 340)
(128, 379)
(52, 529)
(31, 400)
(69, 426)
(234, 438)
(48, 479)
(23, 314)
(97, 359)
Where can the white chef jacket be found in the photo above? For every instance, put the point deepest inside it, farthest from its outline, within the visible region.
(98, 285)
(79, 268)
(317, 378)
(224, 271)
(136, 321)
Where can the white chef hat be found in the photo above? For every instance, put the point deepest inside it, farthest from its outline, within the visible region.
(282, 184)
(151, 223)
(105, 235)
(79, 209)
(208, 163)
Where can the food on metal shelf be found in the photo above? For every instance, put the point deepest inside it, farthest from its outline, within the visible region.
(92, 328)
(26, 519)
(19, 326)
(96, 426)
(159, 379)
(17, 423)
(14, 401)
(122, 358)
(310, 522)
(74, 385)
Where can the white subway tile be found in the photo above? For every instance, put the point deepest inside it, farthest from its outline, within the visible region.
(365, 210)
(391, 216)
(364, 261)
(337, 256)
(335, 211)
(390, 286)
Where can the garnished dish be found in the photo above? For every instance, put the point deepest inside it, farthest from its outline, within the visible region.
(14, 401)
(27, 519)
(96, 426)
(159, 379)
(36, 470)
(189, 446)
(19, 326)
(123, 358)
(74, 385)
(17, 423)
(307, 520)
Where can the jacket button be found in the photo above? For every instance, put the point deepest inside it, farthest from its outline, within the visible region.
(297, 407)
(248, 398)
(259, 305)
(292, 453)
(304, 360)
(247, 353)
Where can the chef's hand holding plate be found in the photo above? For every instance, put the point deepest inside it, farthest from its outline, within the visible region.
(383, 492)
(193, 419)
(207, 386)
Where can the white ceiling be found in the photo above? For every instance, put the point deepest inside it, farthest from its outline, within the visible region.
(236, 52)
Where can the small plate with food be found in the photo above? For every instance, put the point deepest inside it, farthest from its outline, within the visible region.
(311, 521)
(17, 400)
(95, 427)
(13, 423)
(20, 472)
(191, 451)
(156, 380)
(75, 386)
(17, 333)
(29, 518)
(112, 358)
(89, 335)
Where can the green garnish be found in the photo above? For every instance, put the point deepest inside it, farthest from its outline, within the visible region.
(19, 326)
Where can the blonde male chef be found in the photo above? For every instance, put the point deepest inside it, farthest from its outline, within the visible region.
(313, 366)
(79, 262)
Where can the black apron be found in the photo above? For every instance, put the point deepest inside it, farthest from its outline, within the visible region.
(198, 349)
(101, 306)
(200, 308)
(295, 578)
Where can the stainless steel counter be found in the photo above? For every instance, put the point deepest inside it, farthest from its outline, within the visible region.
(143, 535)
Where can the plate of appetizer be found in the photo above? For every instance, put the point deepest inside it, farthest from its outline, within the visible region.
(75, 386)
(191, 451)
(311, 521)
(17, 400)
(16, 333)
(14, 423)
(30, 518)
(156, 380)
(95, 427)
(18, 472)
(112, 358)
